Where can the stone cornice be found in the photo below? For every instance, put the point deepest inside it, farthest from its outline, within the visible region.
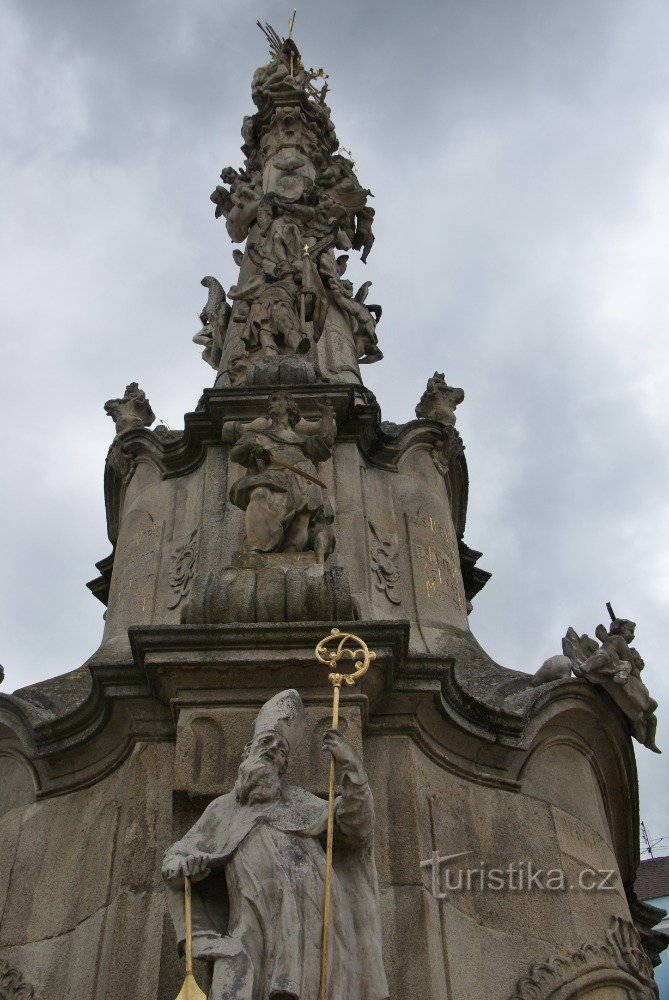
(358, 420)
(488, 705)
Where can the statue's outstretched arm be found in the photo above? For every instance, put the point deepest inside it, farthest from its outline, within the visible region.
(192, 855)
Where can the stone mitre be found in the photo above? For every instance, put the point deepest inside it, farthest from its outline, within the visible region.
(282, 714)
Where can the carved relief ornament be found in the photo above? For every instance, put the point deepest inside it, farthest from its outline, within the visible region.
(385, 564)
(619, 961)
(12, 984)
(182, 568)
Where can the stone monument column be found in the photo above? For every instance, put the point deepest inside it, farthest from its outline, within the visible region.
(284, 508)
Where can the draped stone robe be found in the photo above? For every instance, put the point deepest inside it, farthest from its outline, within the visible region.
(258, 917)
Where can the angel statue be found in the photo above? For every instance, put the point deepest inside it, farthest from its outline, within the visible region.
(615, 665)
(214, 318)
(286, 505)
(362, 318)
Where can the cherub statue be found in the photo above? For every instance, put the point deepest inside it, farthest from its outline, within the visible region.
(439, 401)
(239, 205)
(214, 318)
(615, 665)
(286, 505)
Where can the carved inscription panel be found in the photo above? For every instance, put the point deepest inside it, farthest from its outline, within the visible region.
(435, 564)
(132, 594)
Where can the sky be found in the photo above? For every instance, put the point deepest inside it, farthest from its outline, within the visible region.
(518, 153)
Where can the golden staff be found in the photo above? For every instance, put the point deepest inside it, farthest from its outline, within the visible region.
(361, 657)
(190, 990)
(291, 25)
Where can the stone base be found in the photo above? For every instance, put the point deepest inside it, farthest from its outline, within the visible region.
(291, 370)
(270, 588)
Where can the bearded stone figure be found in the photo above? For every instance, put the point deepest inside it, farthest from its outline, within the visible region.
(257, 859)
(286, 506)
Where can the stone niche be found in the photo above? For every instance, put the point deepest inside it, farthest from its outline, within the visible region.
(210, 743)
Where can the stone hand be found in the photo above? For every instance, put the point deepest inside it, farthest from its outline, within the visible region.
(258, 453)
(342, 751)
(193, 866)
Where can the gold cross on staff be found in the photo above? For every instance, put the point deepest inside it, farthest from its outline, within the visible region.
(305, 250)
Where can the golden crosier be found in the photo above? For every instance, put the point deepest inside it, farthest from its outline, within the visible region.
(190, 990)
(361, 658)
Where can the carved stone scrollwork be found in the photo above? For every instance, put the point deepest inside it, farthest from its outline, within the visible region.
(448, 448)
(131, 411)
(439, 400)
(385, 564)
(120, 462)
(12, 984)
(182, 568)
(619, 961)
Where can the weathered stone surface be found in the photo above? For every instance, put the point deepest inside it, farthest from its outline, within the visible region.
(263, 935)
(82, 871)
(275, 591)
(210, 742)
(16, 782)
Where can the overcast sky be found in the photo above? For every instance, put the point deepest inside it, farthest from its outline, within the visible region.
(518, 153)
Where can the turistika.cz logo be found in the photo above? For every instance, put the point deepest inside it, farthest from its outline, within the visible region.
(516, 876)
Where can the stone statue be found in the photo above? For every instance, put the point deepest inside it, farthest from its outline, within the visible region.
(346, 200)
(239, 205)
(439, 401)
(132, 411)
(296, 201)
(287, 506)
(615, 665)
(362, 318)
(214, 318)
(363, 238)
(269, 314)
(257, 862)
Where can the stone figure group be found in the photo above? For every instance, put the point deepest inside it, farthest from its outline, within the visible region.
(296, 201)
